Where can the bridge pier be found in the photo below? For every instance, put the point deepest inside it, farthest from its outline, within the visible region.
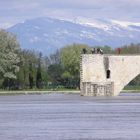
(97, 89)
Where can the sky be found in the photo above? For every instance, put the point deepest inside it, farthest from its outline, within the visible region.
(16, 11)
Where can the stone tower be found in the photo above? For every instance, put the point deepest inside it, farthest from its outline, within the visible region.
(95, 76)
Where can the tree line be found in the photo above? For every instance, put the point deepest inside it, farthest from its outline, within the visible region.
(26, 69)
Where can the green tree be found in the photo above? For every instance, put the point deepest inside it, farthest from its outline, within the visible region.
(31, 79)
(70, 60)
(27, 67)
(9, 59)
(39, 71)
(55, 58)
(54, 74)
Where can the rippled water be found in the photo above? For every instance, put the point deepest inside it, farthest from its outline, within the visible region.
(69, 117)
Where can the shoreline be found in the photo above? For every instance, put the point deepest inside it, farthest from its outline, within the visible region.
(26, 92)
(36, 92)
(130, 91)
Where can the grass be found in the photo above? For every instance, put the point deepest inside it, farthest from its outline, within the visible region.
(132, 89)
(128, 89)
(43, 89)
(37, 91)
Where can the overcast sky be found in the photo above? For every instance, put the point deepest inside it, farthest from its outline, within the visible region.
(15, 11)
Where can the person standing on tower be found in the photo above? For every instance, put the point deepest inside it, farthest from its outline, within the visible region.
(118, 50)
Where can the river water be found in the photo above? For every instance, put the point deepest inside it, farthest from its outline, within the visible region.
(69, 117)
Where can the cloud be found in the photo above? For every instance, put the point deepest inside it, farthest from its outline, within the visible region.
(92, 4)
(12, 11)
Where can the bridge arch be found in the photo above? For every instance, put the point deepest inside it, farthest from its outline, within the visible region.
(124, 69)
(133, 83)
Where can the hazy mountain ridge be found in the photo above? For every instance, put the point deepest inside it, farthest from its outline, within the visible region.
(47, 34)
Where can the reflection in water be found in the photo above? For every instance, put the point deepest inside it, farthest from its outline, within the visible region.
(69, 117)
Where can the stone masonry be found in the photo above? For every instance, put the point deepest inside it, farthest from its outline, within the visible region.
(106, 75)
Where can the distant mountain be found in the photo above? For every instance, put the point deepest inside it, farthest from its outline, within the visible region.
(47, 34)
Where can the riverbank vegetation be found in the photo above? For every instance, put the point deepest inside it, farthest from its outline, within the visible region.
(25, 69)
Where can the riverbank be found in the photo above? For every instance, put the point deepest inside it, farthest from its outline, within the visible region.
(130, 91)
(28, 92)
(38, 92)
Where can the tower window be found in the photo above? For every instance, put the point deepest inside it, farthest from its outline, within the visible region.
(108, 74)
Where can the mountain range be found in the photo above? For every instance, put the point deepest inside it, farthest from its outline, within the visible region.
(47, 34)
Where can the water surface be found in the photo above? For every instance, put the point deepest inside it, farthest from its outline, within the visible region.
(69, 117)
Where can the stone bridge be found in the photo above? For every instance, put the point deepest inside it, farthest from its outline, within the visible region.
(107, 75)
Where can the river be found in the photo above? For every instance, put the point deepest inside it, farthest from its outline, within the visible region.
(70, 117)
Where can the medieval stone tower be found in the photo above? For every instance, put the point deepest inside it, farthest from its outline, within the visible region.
(106, 75)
